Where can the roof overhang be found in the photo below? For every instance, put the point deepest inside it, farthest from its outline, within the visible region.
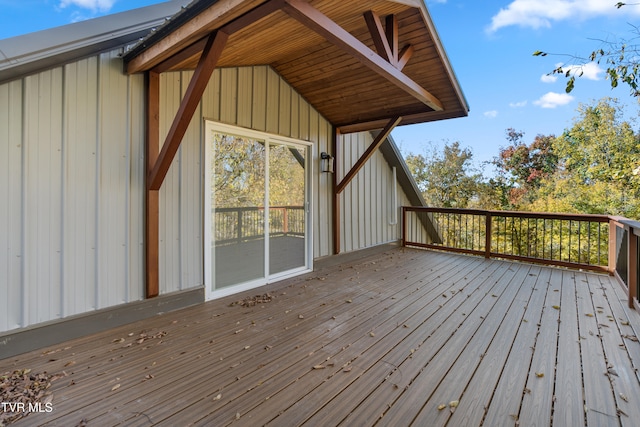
(359, 63)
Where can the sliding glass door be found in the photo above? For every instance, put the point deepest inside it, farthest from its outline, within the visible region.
(257, 192)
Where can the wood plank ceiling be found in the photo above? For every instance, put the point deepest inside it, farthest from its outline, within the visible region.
(354, 88)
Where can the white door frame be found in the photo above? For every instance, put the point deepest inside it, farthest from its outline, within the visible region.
(209, 272)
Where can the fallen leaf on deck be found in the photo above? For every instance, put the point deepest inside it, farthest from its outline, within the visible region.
(557, 307)
(454, 403)
(624, 397)
(589, 315)
(318, 367)
(218, 397)
(539, 374)
(115, 387)
(441, 406)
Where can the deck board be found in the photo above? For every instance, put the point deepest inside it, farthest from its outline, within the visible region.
(396, 334)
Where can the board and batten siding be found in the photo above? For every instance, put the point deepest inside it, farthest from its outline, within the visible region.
(72, 183)
(367, 204)
(71, 162)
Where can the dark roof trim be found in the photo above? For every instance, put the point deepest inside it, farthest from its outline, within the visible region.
(34, 52)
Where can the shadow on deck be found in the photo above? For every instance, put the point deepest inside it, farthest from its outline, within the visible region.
(404, 337)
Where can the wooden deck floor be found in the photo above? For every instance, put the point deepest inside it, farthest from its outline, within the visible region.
(381, 341)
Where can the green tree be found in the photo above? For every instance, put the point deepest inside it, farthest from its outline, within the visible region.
(619, 56)
(447, 178)
(521, 168)
(598, 165)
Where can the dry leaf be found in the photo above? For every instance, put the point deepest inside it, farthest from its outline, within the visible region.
(119, 340)
(589, 315)
(349, 301)
(371, 334)
(539, 374)
(218, 397)
(318, 367)
(557, 307)
(454, 403)
(300, 316)
(346, 369)
(624, 397)
(115, 387)
(441, 406)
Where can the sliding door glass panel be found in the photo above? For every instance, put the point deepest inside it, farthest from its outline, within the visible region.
(238, 197)
(287, 213)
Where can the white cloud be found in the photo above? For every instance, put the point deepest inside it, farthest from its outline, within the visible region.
(548, 78)
(491, 114)
(589, 71)
(541, 13)
(93, 5)
(519, 104)
(553, 100)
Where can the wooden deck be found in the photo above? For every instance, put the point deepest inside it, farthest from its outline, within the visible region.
(384, 340)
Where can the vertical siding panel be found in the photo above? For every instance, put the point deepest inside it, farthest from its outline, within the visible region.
(245, 94)
(228, 95)
(284, 125)
(190, 203)
(43, 195)
(137, 194)
(80, 183)
(211, 98)
(295, 115)
(113, 181)
(273, 95)
(259, 112)
(171, 94)
(11, 215)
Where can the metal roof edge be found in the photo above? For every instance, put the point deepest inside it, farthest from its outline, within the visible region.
(33, 52)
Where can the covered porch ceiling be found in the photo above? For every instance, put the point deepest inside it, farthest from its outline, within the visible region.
(359, 63)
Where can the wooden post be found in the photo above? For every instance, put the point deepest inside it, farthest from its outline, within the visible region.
(612, 246)
(404, 226)
(632, 265)
(152, 197)
(335, 194)
(488, 237)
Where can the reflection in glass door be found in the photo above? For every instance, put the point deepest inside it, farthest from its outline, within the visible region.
(238, 197)
(258, 192)
(287, 216)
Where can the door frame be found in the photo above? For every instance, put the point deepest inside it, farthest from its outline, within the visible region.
(268, 138)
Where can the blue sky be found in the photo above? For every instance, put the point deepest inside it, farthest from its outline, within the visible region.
(490, 45)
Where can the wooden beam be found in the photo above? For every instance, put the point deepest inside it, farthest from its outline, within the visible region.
(332, 32)
(404, 56)
(336, 196)
(380, 40)
(367, 154)
(181, 56)
(392, 37)
(152, 199)
(212, 52)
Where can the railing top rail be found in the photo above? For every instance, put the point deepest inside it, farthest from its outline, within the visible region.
(518, 214)
(255, 208)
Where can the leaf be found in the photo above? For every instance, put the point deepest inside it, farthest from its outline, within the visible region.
(539, 374)
(589, 314)
(454, 403)
(218, 397)
(115, 387)
(539, 53)
(441, 406)
(557, 307)
(623, 397)
(319, 367)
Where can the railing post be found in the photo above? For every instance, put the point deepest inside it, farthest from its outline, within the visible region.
(488, 237)
(632, 265)
(612, 246)
(404, 226)
(240, 225)
(285, 221)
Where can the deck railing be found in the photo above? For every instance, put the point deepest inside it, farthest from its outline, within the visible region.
(590, 242)
(235, 225)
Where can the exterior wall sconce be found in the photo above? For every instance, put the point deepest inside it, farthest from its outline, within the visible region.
(326, 162)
